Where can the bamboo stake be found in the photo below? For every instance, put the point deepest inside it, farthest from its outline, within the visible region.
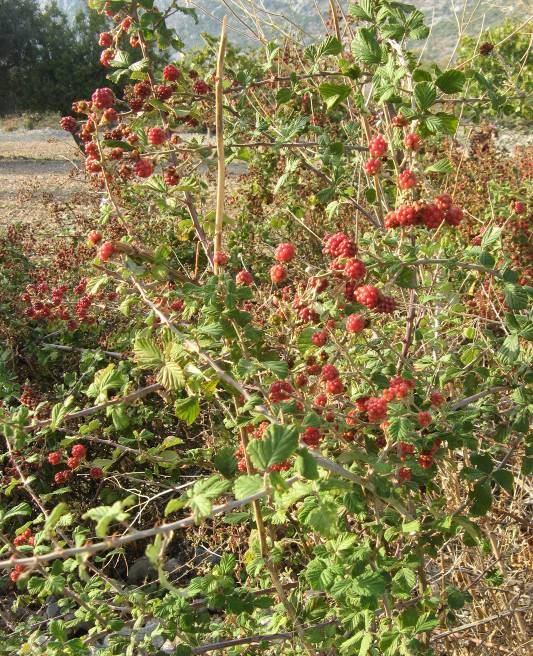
(221, 177)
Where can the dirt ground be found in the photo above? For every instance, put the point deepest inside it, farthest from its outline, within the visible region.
(39, 172)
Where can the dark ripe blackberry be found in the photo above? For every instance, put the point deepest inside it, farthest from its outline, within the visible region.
(486, 48)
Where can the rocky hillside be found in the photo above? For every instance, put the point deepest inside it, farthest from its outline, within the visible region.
(304, 14)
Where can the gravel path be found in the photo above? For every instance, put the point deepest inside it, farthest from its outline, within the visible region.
(38, 168)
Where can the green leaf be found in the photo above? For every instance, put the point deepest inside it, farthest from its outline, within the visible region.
(147, 353)
(284, 95)
(306, 465)
(481, 497)
(279, 443)
(245, 486)
(451, 81)
(173, 505)
(491, 237)
(457, 598)
(54, 517)
(330, 46)
(442, 166)
(407, 278)
(411, 527)
(425, 95)
(516, 297)
(59, 412)
(505, 478)
(365, 47)
(171, 376)
(403, 582)
(106, 515)
(187, 409)
(334, 93)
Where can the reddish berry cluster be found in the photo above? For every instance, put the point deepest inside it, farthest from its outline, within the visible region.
(372, 166)
(377, 146)
(156, 136)
(278, 273)
(103, 98)
(312, 437)
(412, 141)
(26, 537)
(143, 168)
(339, 245)
(69, 124)
(430, 215)
(407, 179)
(171, 73)
(355, 323)
(285, 252)
(244, 278)
(280, 390)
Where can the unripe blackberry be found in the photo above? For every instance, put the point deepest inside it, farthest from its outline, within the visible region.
(171, 73)
(55, 457)
(163, 92)
(354, 269)
(424, 419)
(372, 166)
(106, 251)
(170, 176)
(367, 295)
(312, 437)
(244, 278)
(335, 387)
(105, 39)
(78, 451)
(407, 179)
(319, 338)
(200, 87)
(412, 141)
(96, 472)
(285, 252)
(103, 98)
(355, 323)
(330, 372)
(69, 124)
(143, 168)
(377, 146)
(156, 136)
(94, 237)
(280, 390)
(107, 57)
(220, 258)
(278, 273)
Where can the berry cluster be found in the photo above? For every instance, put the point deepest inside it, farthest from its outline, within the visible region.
(26, 537)
(430, 215)
(377, 146)
(339, 245)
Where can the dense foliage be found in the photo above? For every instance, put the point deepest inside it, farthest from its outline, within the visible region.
(278, 408)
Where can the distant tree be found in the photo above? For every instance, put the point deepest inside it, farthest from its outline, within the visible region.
(47, 60)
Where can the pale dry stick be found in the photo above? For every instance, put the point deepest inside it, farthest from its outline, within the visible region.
(87, 412)
(471, 625)
(269, 564)
(79, 349)
(113, 542)
(252, 640)
(221, 160)
(335, 18)
(200, 233)
(242, 22)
